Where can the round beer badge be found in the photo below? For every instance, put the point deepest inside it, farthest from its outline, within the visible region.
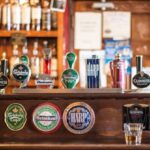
(3, 81)
(141, 80)
(20, 72)
(47, 117)
(15, 117)
(79, 118)
(70, 78)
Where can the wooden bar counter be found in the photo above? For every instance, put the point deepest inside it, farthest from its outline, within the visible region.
(107, 133)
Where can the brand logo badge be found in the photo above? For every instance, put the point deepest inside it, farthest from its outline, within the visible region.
(3, 81)
(15, 117)
(141, 80)
(79, 118)
(47, 117)
(20, 72)
(70, 78)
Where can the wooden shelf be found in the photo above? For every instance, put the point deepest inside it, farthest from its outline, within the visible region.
(75, 146)
(107, 133)
(31, 33)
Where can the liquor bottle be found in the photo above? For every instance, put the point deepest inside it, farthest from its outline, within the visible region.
(6, 15)
(25, 16)
(42, 65)
(4, 64)
(14, 59)
(36, 16)
(46, 60)
(141, 79)
(25, 54)
(35, 62)
(46, 16)
(117, 68)
(16, 15)
(54, 73)
(54, 20)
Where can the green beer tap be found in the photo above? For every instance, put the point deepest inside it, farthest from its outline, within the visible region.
(71, 59)
(70, 77)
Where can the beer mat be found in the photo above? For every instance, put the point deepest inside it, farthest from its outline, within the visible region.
(83, 91)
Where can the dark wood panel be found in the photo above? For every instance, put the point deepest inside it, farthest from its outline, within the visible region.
(106, 134)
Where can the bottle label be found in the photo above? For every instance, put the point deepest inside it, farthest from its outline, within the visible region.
(6, 18)
(46, 20)
(54, 67)
(36, 13)
(25, 15)
(16, 14)
(47, 117)
(15, 117)
(79, 118)
(35, 68)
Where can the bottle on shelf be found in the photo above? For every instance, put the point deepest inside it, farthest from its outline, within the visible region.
(25, 16)
(14, 59)
(46, 16)
(4, 64)
(6, 15)
(16, 15)
(36, 16)
(54, 20)
(25, 49)
(25, 52)
(46, 60)
(117, 70)
(54, 71)
(35, 63)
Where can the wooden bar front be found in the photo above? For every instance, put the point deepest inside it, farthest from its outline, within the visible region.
(106, 134)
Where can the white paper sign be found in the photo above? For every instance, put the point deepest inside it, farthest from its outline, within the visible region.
(117, 25)
(88, 30)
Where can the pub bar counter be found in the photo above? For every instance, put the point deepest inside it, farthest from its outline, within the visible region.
(106, 133)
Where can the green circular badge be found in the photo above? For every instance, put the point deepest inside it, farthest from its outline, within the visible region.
(47, 117)
(24, 59)
(20, 72)
(15, 117)
(70, 78)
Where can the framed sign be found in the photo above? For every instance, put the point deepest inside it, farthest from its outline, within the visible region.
(117, 25)
(58, 5)
(88, 30)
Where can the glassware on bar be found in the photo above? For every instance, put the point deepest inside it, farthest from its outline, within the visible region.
(133, 133)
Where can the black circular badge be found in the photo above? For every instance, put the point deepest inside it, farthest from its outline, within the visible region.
(141, 80)
(20, 72)
(3, 81)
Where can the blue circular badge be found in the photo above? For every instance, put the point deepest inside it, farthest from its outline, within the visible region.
(79, 118)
